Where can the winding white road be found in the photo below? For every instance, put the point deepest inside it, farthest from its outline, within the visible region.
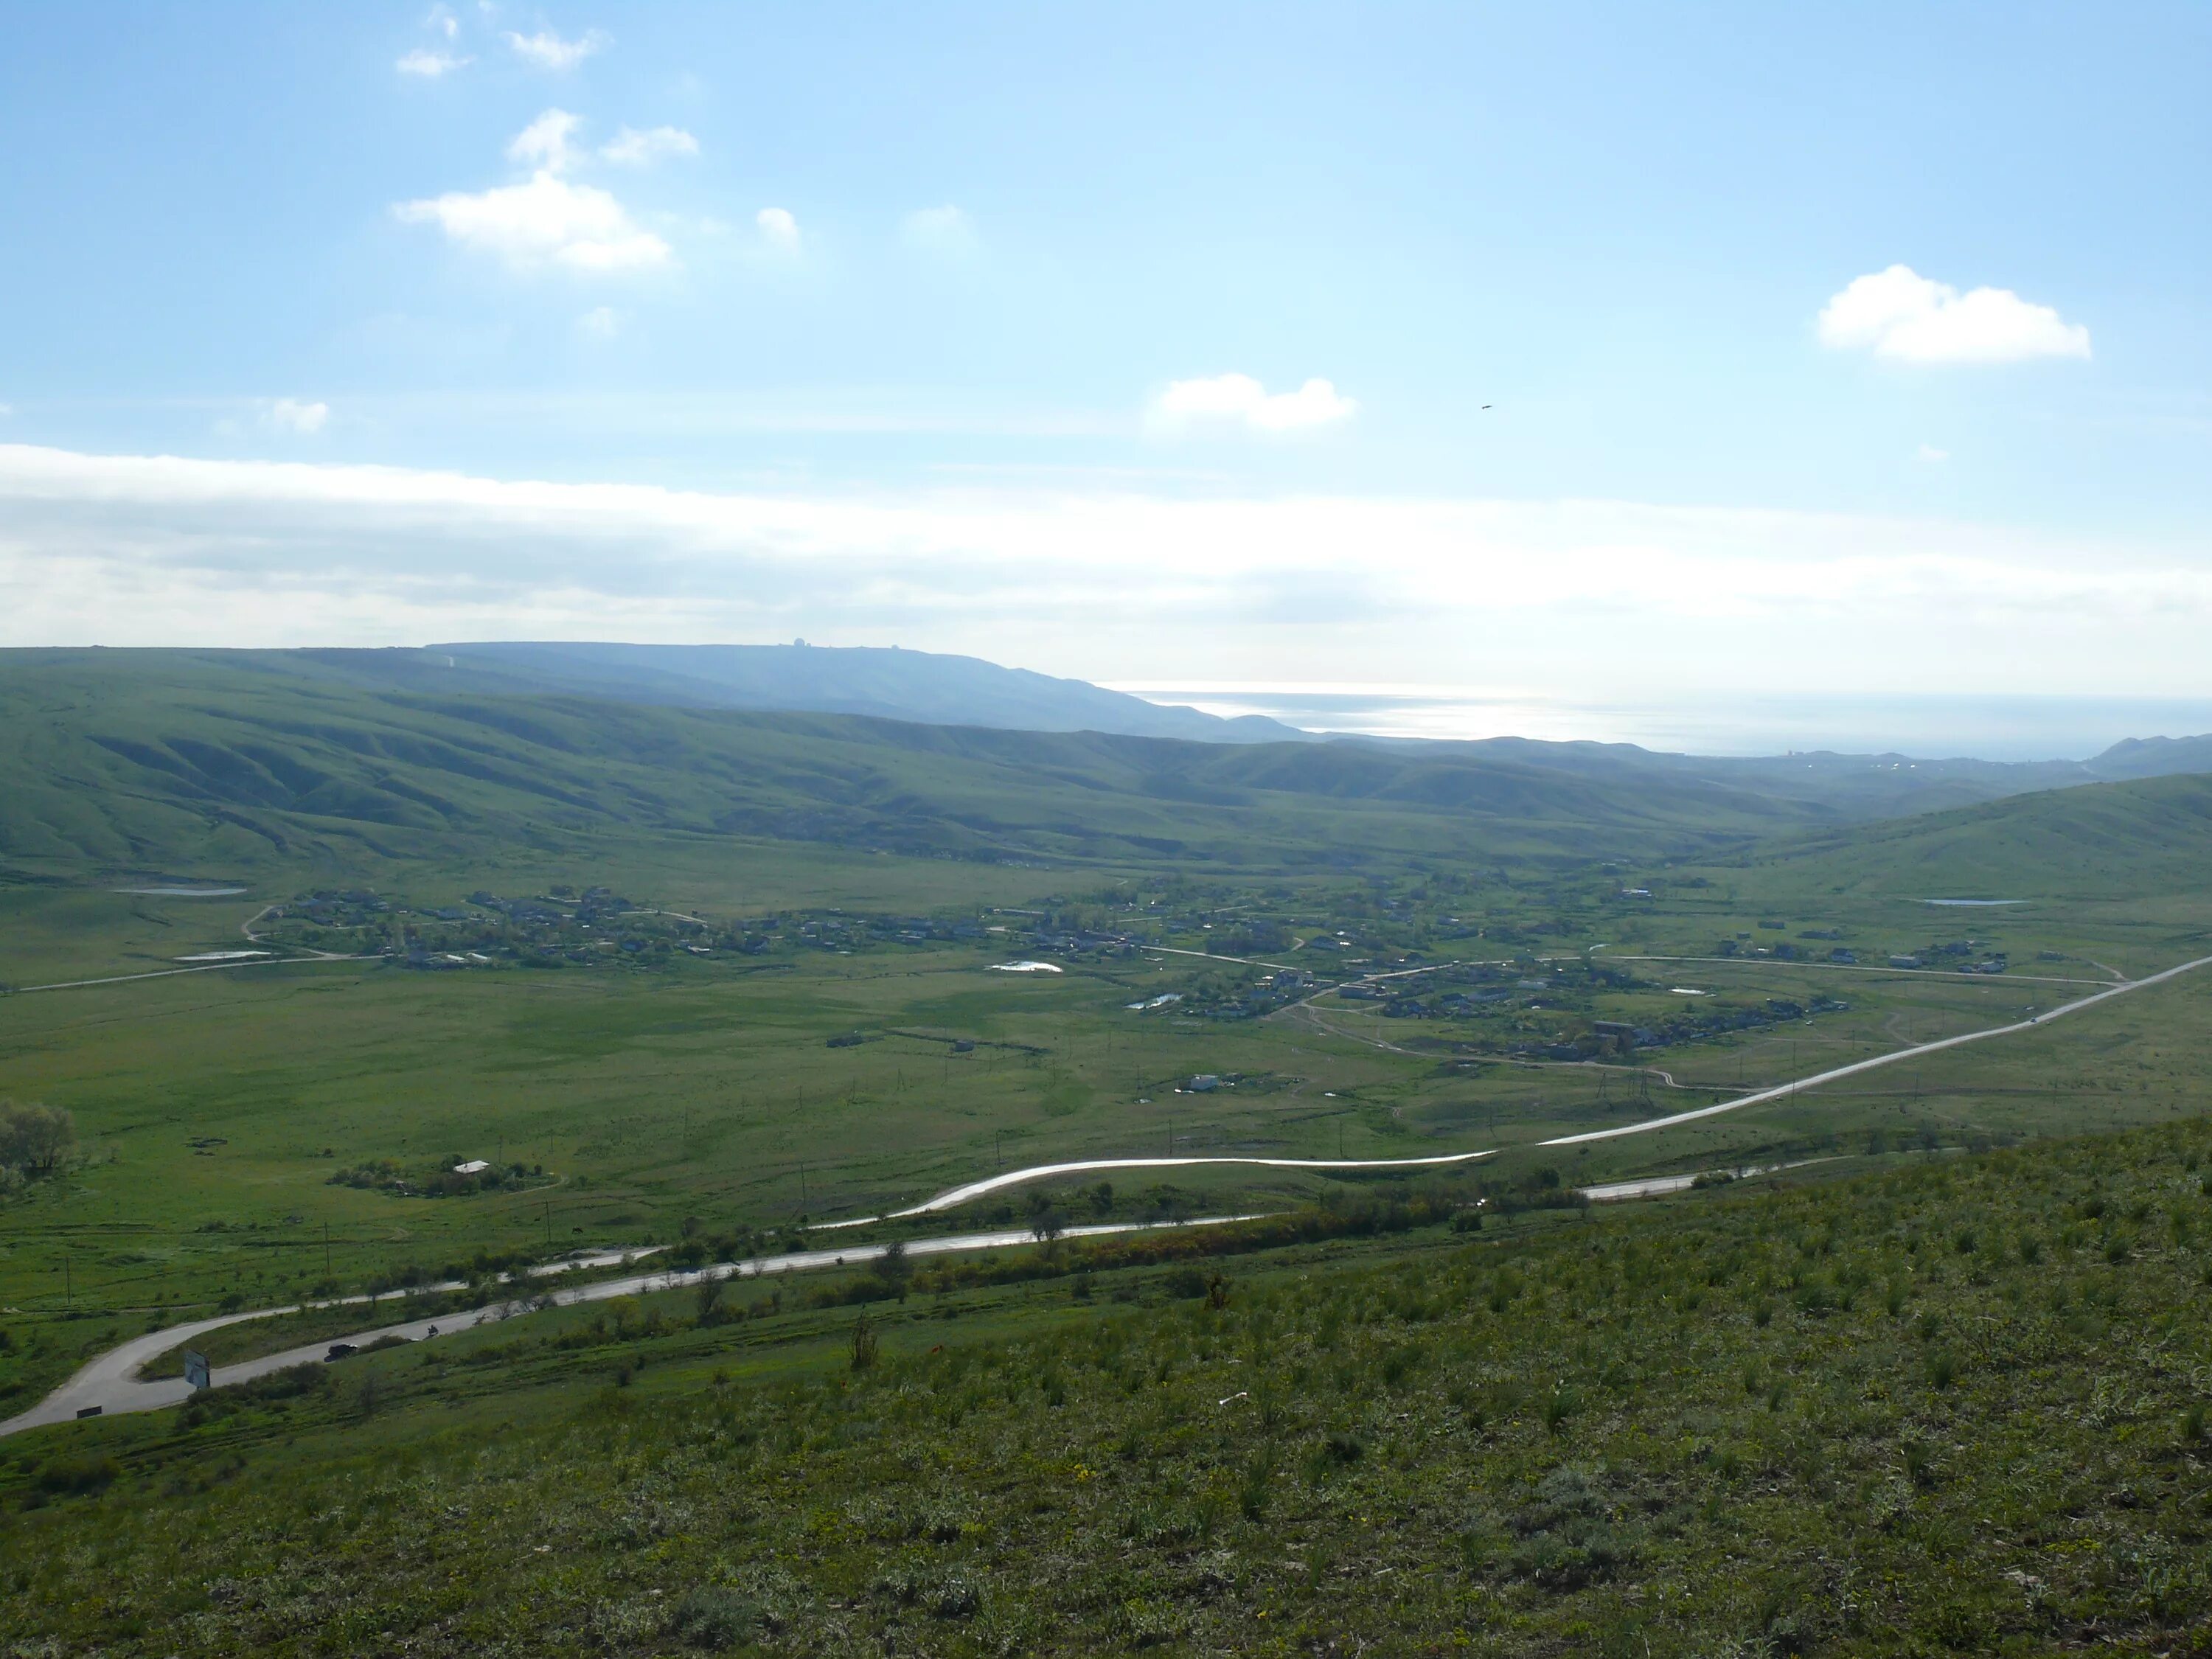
(111, 1383)
(955, 1196)
(1782, 1092)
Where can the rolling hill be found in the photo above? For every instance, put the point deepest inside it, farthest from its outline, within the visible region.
(175, 760)
(146, 760)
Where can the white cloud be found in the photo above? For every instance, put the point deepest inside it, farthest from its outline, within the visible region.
(632, 147)
(548, 222)
(170, 551)
(944, 230)
(544, 141)
(429, 64)
(779, 228)
(442, 19)
(1900, 313)
(1239, 399)
(291, 415)
(600, 323)
(546, 50)
(1929, 452)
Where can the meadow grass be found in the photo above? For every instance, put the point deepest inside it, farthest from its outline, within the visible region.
(1957, 1406)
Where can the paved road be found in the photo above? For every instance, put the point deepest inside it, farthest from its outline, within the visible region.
(1659, 1186)
(1782, 1092)
(955, 1196)
(112, 1383)
(167, 973)
(1868, 968)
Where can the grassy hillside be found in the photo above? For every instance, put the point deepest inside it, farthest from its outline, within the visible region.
(176, 760)
(2142, 838)
(1956, 1408)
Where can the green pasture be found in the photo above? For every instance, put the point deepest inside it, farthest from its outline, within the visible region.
(215, 1108)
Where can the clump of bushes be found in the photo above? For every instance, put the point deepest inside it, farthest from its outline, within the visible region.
(35, 1139)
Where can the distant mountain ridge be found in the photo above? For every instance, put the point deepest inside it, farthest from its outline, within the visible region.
(170, 759)
(887, 683)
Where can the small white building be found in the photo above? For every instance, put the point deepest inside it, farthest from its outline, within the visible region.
(474, 1166)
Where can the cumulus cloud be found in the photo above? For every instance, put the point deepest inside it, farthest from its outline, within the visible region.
(292, 415)
(600, 323)
(429, 63)
(164, 549)
(944, 230)
(544, 141)
(549, 220)
(778, 227)
(1239, 400)
(635, 148)
(1929, 452)
(548, 51)
(1901, 315)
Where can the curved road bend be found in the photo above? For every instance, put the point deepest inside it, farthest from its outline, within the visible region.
(112, 1383)
(957, 1195)
(121, 1363)
(1782, 1091)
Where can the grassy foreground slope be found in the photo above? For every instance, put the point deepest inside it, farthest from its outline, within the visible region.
(1956, 1408)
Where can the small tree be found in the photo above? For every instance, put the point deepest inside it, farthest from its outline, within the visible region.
(864, 1344)
(894, 1267)
(36, 1138)
(711, 1287)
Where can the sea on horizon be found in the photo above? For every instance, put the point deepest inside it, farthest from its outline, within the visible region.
(1998, 728)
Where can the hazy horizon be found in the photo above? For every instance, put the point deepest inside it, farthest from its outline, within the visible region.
(1934, 728)
(1453, 348)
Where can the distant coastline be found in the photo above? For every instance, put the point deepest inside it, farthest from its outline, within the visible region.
(2000, 728)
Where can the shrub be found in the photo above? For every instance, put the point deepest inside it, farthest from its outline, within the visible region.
(1559, 1406)
(864, 1344)
(77, 1475)
(1185, 1282)
(711, 1617)
(1568, 1536)
(36, 1138)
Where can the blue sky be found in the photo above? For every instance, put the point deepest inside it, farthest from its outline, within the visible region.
(883, 323)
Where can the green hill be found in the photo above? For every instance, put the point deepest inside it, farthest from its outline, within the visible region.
(2138, 839)
(170, 760)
